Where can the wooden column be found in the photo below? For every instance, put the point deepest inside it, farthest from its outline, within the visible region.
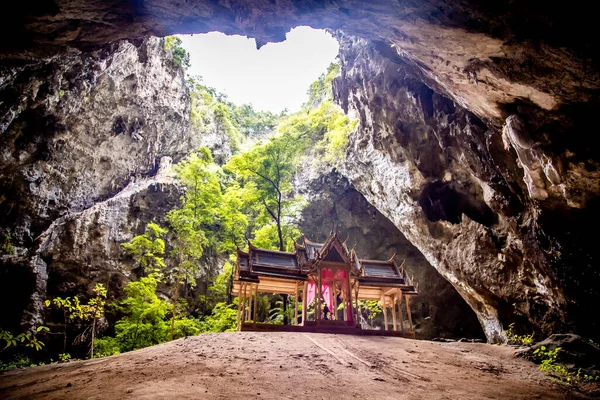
(394, 313)
(385, 321)
(358, 310)
(255, 304)
(304, 299)
(350, 310)
(246, 302)
(239, 313)
(409, 314)
(400, 311)
(318, 305)
(296, 305)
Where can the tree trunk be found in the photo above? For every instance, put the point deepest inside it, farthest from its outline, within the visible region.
(93, 334)
(282, 248)
(176, 296)
(65, 332)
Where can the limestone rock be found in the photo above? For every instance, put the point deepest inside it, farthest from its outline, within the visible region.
(438, 310)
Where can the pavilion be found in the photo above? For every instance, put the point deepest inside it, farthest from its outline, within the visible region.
(328, 275)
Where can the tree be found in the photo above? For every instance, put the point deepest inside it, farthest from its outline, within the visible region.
(95, 310)
(148, 249)
(192, 223)
(71, 309)
(268, 169)
(179, 55)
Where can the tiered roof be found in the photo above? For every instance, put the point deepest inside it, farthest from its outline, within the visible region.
(307, 255)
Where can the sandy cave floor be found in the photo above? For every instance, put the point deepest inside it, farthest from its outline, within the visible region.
(291, 366)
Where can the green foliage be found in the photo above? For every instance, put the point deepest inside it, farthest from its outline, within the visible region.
(266, 237)
(76, 312)
(267, 169)
(558, 372)
(239, 123)
(64, 357)
(277, 314)
(17, 361)
(514, 338)
(72, 311)
(372, 307)
(143, 323)
(326, 127)
(321, 90)
(144, 320)
(222, 319)
(106, 346)
(178, 54)
(6, 247)
(148, 249)
(23, 339)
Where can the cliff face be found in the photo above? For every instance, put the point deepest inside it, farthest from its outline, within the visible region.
(76, 129)
(438, 310)
(444, 178)
(82, 141)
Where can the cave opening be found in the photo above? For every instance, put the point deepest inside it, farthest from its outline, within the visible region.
(444, 201)
(273, 78)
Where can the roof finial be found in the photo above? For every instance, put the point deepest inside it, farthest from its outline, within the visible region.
(392, 258)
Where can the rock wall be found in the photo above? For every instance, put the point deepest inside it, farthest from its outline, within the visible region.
(438, 310)
(82, 139)
(443, 177)
(76, 129)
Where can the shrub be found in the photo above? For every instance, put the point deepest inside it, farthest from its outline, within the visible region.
(514, 338)
(106, 346)
(178, 54)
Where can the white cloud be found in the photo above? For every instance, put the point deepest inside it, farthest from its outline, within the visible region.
(273, 78)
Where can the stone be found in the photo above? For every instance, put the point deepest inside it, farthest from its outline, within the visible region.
(575, 352)
(438, 309)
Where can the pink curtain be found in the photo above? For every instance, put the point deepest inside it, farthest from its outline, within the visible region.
(324, 292)
(340, 276)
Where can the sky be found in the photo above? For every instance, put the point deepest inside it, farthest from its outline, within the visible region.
(271, 79)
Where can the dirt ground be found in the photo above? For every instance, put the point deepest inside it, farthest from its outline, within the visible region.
(291, 366)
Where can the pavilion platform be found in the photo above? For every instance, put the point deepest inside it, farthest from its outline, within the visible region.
(343, 329)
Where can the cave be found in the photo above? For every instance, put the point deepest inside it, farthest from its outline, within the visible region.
(471, 141)
(441, 201)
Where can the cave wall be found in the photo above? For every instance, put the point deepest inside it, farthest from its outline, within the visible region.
(76, 129)
(481, 156)
(444, 178)
(83, 138)
(438, 310)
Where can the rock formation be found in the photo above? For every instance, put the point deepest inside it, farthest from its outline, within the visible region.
(438, 310)
(83, 136)
(472, 139)
(443, 177)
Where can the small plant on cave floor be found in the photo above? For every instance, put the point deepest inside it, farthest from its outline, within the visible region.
(93, 310)
(558, 372)
(64, 357)
(23, 339)
(72, 311)
(514, 338)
